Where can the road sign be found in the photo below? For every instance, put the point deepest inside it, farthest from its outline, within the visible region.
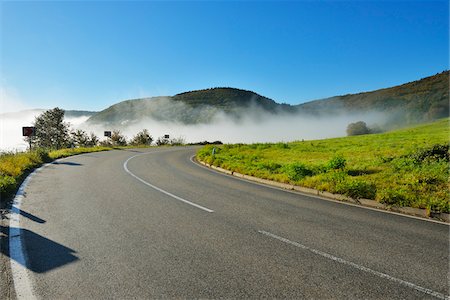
(108, 133)
(27, 131)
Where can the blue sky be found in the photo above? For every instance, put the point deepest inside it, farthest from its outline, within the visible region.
(90, 55)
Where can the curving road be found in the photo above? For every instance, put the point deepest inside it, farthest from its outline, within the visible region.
(153, 224)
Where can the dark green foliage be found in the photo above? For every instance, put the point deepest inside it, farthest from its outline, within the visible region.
(393, 197)
(357, 128)
(118, 139)
(8, 185)
(177, 141)
(297, 171)
(142, 138)
(436, 152)
(270, 166)
(51, 131)
(42, 156)
(79, 138)
(337, 162)
(356, 189)
(161, 141)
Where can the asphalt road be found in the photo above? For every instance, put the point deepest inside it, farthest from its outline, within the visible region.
(169, 228)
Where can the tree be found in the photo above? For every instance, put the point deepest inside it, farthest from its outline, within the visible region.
(161, 141)
(79, 138)
(177, 141)
(118, 139)
(142, 138)
(51, 132)
(357, 128)
(93, 140)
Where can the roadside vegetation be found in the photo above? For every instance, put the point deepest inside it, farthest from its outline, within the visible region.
(408, 167)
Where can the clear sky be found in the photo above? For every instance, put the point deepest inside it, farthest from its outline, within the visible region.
(89, 55)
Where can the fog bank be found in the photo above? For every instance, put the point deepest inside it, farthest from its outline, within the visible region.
(254, 126)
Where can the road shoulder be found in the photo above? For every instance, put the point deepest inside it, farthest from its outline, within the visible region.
(372, 204)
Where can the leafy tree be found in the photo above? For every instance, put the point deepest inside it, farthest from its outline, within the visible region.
(357, 128)
(51, 131)
(79, 138)
(177, 141)
(161, 141)
(118, 139)
(93, 140)
(142, 138)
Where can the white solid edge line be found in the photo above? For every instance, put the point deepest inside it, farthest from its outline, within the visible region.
(125, 166)
(359, 267)
(319, 197)
(17, 256)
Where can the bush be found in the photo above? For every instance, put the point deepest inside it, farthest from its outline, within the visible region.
(42, 155)
(436, 152)
(356, 189)
(270, 166)
(393, 197)
(336, 163)
(357, 128)
(7, 186)
(297, 171)
(142, 138)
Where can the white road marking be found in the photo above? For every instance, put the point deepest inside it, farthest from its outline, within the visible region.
(18, 258)
(359, 267)
(125, 166)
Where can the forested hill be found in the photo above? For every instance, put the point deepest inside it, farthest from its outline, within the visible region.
(190, 108)
(228, 99)
(414, 102)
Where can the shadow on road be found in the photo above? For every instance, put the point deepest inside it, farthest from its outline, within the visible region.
(67, 163)
(31, 217)
(43, 254)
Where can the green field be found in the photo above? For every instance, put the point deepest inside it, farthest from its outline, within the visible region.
(408, 167)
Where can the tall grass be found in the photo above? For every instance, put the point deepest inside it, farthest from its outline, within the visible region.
(408, 167)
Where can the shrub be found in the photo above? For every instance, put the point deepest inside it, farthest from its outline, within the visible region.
(356, 189)
(142, 138)
(336, 163)
(270, 166)
(297, 171)
(393, 197)
(42, 156)
(357, 128)
(436, 152)
(7, 186)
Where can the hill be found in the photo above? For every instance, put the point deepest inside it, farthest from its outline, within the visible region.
(415, 102)
(419, 101)
(190, 107)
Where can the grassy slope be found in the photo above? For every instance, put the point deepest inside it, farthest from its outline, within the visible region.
(378, 166)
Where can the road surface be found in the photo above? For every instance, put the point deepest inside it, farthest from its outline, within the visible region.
(152, 224)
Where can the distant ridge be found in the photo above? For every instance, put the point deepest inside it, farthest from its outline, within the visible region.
(419, 101)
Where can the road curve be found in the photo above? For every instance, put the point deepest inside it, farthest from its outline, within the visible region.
(114, 225)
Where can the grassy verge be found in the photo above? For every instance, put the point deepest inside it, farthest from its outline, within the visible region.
(408, 167)
(15, 166)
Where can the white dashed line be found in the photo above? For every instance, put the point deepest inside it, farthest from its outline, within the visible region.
(359, 267)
